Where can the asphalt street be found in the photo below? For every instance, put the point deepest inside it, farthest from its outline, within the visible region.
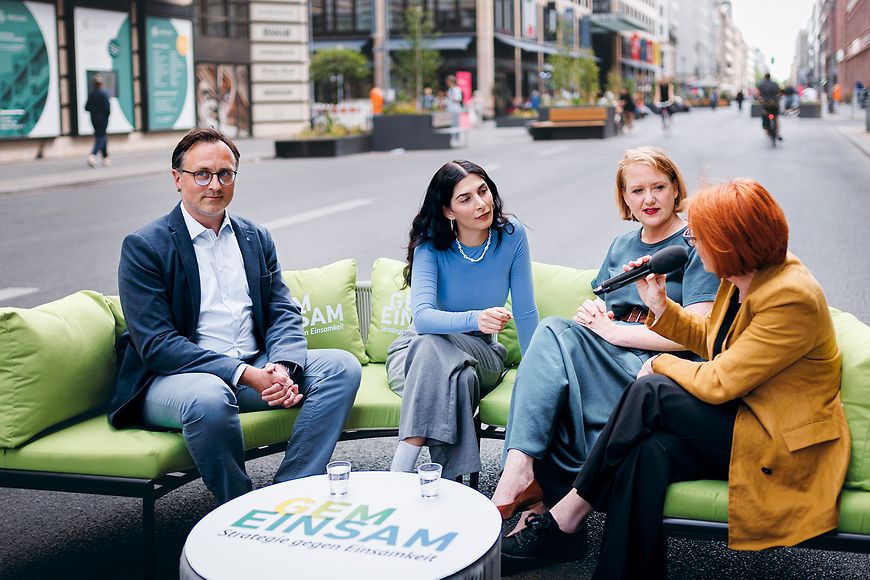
(65, 238)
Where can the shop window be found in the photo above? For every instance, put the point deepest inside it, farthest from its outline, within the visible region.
(467, 14)
(344, 15)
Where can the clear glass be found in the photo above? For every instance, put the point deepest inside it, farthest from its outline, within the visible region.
(338, 474)
(430, 477)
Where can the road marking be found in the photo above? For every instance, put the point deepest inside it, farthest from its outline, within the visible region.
(314, 214)
(10, 293)
(552, 151)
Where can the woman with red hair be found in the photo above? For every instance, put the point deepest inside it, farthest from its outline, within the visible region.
(764, 412)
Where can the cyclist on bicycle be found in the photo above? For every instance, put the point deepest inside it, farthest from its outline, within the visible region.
(768, 96)
(664, 100)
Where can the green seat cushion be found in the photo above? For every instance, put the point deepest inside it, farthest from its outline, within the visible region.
(559, 290)
(704, 499)
(57, 361)
(327, 297)
(376, 406)
(708, 500)
(94, 447)
(391, 307)
(495, 406)
(853, 337)
(114, 303)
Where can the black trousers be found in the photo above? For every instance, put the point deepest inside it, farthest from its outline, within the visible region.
(658, 434)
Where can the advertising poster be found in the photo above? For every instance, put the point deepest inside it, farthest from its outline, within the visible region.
(530, 18)
(103, 47)
(29, 101)
(222, 98)
(169, 55)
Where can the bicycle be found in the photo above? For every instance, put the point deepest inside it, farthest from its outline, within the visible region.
(665, 113)
(772, 127)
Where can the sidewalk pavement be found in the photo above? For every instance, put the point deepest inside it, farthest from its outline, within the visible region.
(852, 125)
(48, 173)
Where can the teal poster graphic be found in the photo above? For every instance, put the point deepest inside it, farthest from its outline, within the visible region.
(170, 73)
(103, 46)
(29, 104)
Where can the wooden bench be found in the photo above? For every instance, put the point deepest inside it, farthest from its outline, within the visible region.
(575, 123)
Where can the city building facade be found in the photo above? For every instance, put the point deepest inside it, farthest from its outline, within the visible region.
(167, 65)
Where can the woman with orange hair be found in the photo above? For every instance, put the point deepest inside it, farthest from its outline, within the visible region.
(764, 412)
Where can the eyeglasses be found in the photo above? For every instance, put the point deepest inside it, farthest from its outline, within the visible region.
(690, 239)
(203, 177)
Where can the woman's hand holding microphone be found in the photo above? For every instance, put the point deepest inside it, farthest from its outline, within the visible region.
(652, 288)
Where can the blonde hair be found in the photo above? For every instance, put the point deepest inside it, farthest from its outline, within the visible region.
(657, 159)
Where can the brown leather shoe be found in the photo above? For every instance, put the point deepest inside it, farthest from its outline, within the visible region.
(531, 495)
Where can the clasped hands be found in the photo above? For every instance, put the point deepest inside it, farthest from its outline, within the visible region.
(274, 384)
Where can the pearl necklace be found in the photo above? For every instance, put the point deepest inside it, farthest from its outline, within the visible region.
(485, 248)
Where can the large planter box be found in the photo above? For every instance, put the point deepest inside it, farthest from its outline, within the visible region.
(574, 122)
(810, 110)
(755, 110)
(409, 132)
(324, 146)
(509, 121)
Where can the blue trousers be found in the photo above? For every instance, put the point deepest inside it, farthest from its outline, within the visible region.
(206, 410)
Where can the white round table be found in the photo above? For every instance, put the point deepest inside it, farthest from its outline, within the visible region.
(382, 528)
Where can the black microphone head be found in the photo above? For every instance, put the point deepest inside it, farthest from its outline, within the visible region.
(668, 259)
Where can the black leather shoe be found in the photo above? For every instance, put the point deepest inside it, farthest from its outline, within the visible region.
(541, 543)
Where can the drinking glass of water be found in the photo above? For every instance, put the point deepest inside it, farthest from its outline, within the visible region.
(338, 474)
(430, 475)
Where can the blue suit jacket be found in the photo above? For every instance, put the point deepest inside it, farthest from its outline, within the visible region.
(158, 279)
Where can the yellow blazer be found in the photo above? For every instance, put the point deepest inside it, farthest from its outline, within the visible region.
(790, 448)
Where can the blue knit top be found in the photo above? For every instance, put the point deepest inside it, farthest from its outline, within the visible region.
(448, 292)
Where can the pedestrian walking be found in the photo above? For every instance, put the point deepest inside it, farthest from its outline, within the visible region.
(739, 98)
(99, 107)
(454, 107)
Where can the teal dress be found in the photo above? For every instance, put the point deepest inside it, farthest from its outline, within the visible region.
(570, 379)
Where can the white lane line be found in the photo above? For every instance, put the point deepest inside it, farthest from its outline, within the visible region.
(10, 293)
(316, 213)
(552, 151)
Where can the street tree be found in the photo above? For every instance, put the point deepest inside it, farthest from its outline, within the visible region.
(418, 65)
(339, 66)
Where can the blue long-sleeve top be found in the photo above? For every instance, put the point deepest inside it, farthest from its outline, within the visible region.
(448, 292)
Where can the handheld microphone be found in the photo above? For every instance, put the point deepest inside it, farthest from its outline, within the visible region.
(664, 261)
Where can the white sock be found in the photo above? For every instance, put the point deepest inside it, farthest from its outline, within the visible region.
(405, 457)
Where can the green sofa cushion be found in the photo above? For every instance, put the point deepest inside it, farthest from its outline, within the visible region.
(56, 362)
(375, 406)
(94, 447)
(708, 500)
(391, 307)
(559, 290)
(495, 406)
(853, 337)
(114, 303)
(327, 297)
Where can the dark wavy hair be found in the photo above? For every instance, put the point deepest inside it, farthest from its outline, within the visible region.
(430, 224)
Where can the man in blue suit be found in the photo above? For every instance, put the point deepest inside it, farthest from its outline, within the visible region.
(212, 331)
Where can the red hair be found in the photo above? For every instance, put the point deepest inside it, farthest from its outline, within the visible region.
(740, 226)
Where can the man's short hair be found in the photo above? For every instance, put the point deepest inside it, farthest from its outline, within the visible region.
(194, 136)
(767, 76)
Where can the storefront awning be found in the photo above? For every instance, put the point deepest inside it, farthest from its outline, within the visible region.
(348, 43)
(614, 22)
(440, 43)
(641, 65)
(527, 45)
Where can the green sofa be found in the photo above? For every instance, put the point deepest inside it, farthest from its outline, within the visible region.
(57, 368)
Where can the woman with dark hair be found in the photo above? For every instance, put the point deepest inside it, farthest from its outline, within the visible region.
(464, 256)
(575, 370)
(763, 412)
